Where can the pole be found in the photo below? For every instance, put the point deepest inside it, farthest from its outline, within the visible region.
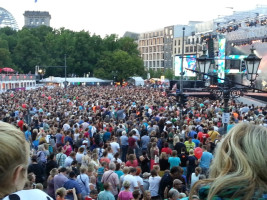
(65, 72)
(181, 83)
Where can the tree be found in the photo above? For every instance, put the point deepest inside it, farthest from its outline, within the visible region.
(119, 64)
(169, 74)
(5, 58)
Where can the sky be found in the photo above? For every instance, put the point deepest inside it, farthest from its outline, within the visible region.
(105, 17)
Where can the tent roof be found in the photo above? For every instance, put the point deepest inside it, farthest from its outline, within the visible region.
(52, 79)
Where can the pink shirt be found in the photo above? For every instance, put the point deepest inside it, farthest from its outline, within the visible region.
(125, 195)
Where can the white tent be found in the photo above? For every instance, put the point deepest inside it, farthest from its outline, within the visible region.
(137, 81)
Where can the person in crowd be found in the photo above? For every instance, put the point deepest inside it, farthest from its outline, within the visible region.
(83, 181)
(237, 161)
(13, 173)
(146, 180)
(174, 160)
(106, 194)
(124, 145)
(50, 183)
(111, 177)
(144, 162)
(132, 162)
(60, 178)
(189, 144)
(37, 169)
(67, 149)
(154, 155)
(131, 179)
(191, 165)
(61, 157)
(51, 164)
(61, 193)
(72, 183)
(195, 176)
(184, 158)
(126, 194)
(166, 181)
(163, 163)
(205, 160)
(166, 149)
(118, 170)
(79, 155)
(154, 181)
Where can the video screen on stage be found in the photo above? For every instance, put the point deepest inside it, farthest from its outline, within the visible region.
(189, 63)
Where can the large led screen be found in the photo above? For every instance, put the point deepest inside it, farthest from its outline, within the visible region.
(189, 63)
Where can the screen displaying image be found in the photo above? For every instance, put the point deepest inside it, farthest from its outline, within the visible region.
(189, 63)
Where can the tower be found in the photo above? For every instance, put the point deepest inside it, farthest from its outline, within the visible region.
(36, 18)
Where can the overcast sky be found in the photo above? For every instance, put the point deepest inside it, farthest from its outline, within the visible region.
(117, 16)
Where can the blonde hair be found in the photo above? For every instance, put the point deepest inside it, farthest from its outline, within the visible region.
(61, 192)
(176, 139)
(14, 152)
(240, 161)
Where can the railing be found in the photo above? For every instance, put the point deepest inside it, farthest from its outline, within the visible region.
(17, 77)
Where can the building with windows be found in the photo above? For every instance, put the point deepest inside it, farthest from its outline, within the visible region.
(36, 18)
(151, 47)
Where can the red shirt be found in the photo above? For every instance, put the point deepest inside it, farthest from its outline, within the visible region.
(20, 124)
(129, 164)
(104, 159)
(131, 142)
(167, 150)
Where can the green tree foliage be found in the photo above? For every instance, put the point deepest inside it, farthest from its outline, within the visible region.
(106, 57)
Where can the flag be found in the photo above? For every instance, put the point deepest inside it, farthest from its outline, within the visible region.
(174, 87)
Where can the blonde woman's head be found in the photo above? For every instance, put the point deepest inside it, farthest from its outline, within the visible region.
(14, 158)
(62, 192)
(241, 160)
(176, 139)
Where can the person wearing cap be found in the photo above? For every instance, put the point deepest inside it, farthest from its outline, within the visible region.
(178, 185)
(146, 180)
(72, 183)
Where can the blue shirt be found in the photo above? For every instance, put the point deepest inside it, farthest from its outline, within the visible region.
(28, 134)
(196, 141)
(124, 140)
(144, 141)
(106, 195)
(106, 136)
(192, 133)
(70, 184)
(174, 161)
(205, 160)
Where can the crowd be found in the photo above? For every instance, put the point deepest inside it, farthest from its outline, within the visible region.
(128, 143)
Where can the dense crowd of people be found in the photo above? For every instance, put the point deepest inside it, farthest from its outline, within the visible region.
(130, 143)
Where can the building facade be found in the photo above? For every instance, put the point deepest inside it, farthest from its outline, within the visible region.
(151, 47)
(36, 18)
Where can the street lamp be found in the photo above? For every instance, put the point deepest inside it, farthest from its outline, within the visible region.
(226, 92)
(204, 63)
(252, 63)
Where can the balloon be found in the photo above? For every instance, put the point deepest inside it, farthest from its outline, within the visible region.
(12, 95)
(198, 152)
(49, 98)
(24, 106)
(43, 95)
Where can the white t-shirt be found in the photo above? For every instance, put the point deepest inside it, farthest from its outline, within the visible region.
(29, 195)
(115, 147)
(194, 179)
(131, 180)
(68, 161)
(76, 136)
(154, 185)
(79, 157)
(139, 182)
(118, 160)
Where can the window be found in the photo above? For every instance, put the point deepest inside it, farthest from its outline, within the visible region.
(175, 42)
(195, 49)
(193, 40)
(179, 42)
(179, 50)
(186, 49)
(188, 41)
(174, 50)
(191, 48)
